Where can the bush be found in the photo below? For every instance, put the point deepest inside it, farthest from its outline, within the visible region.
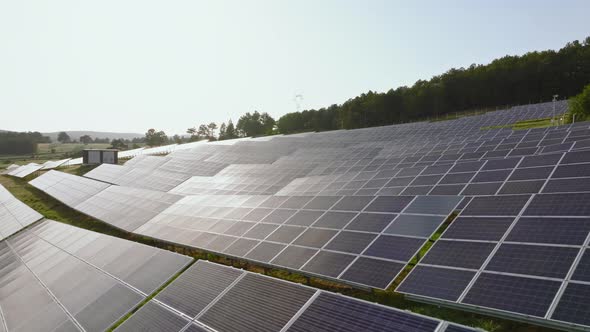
(580, 104)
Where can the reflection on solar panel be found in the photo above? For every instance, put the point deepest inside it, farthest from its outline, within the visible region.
(209, 296)
(340, 236)
(522, 255)
(14, 214)
(137, 177)
(85, 280)
(69, 189)
(126, 208)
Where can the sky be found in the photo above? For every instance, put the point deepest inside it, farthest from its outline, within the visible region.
(126, 66)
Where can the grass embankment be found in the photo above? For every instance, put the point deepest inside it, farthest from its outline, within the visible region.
(529, 124)
(53, 209)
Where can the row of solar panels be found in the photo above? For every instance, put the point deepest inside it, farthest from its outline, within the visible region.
(213, 296)
(366, 240)
(57, 277)
(28, 169)
(14, 214)
(171, 173)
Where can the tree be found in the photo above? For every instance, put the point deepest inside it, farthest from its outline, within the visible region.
(193, 134)
(227, 131)
(230, 131)
(255, 124)
(222, 130)
(17, 143)
(212, 127)
(119, 144)
(155, 138)
(86, 139)
(177, 139)
(63, 137)
(203, 131)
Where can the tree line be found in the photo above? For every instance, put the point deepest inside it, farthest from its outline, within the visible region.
(511, 80)
(13, 143)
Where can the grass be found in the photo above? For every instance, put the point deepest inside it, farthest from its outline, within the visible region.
(459, 115)
(150, 297)
(67, 148)
(525, 124)
(53, 209)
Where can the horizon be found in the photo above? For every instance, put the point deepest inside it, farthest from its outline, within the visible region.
(84, 67)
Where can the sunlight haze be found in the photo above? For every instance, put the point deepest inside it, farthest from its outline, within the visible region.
(131, 65)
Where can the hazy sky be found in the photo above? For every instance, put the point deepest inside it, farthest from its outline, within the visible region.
(131, 65)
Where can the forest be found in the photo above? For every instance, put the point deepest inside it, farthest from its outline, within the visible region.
(511, 80)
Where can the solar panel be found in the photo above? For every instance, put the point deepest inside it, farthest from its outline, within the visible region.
(478, 228)
(511, 293)
(463, 254)
(415, 225)
(436, 282)
(14, 214)
(521, 187)
(573, 306)
(582, 271)
(328, 263)
(495, 206)
(544, 261)
(559, 205)
(550, 230)
(567, 185)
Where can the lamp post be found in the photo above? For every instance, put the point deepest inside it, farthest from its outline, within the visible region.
(554, 100)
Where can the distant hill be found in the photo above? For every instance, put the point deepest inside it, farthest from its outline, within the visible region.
(94, 134)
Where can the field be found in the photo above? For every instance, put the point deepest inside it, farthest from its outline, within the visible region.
(50, 151)
(55, 210)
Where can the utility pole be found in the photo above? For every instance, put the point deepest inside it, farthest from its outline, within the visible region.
(554, 99)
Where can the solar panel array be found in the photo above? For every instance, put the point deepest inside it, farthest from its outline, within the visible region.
(56, 277)
(212, 297)
(14, 214)
(363, 240)
(346, 205)
(520, 254)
